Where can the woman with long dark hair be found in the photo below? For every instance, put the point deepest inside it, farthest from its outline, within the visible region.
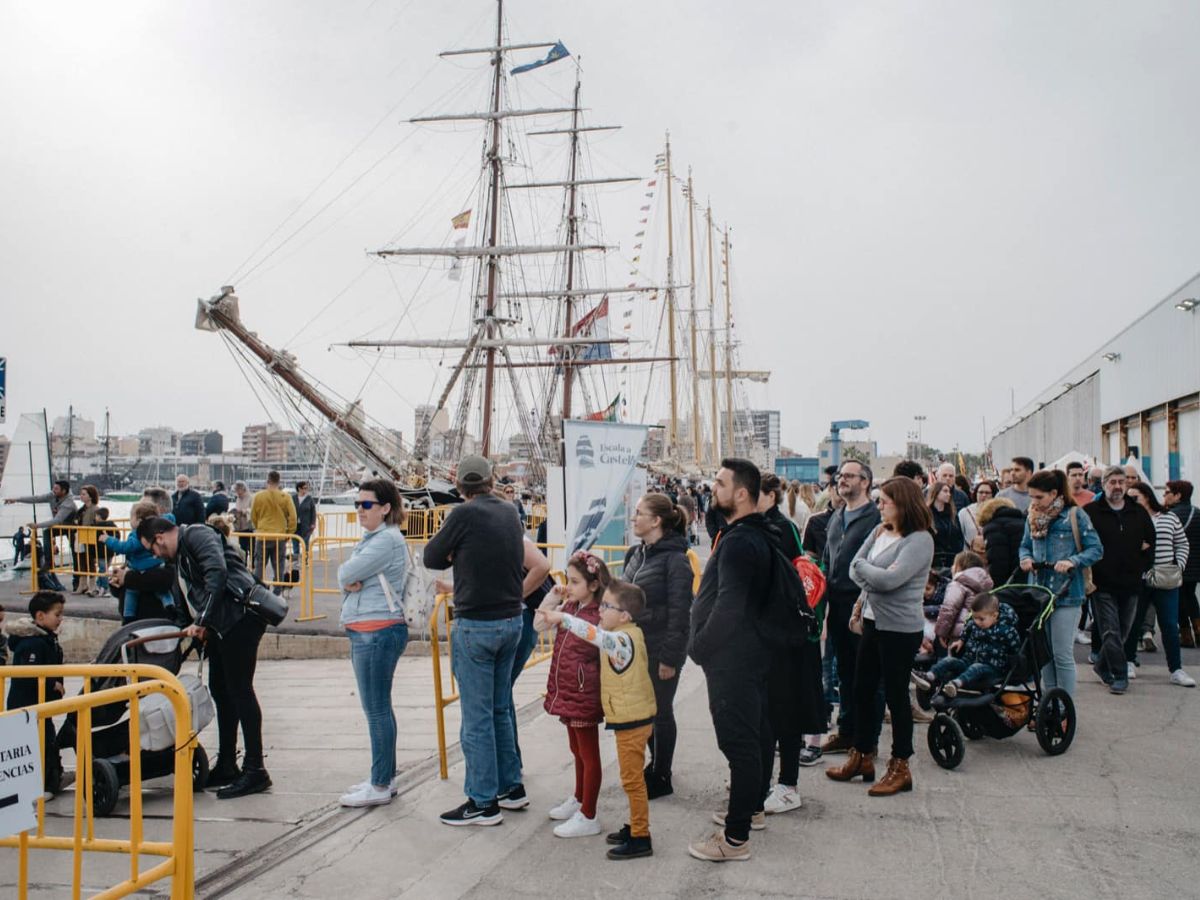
(660, 567)
(1170, 559)
(83, 541)
(947, 533)
(372, 583)
(891, 567)
(1059, 543)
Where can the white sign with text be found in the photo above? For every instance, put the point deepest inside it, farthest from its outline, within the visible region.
(20, 772)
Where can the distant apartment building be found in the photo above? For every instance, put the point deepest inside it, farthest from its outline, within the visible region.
(202, 443)
(158, 441)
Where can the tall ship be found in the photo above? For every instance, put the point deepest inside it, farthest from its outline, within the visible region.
(519, 312)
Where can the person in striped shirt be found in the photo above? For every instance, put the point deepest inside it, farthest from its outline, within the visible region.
(1170, 559)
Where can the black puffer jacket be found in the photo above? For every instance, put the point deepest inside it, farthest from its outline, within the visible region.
(216, 576)
(1002, 534)
(663, 572)
(947, 537)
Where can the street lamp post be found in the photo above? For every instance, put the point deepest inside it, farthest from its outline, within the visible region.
(920, 441)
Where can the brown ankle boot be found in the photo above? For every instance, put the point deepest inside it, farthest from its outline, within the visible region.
(856, 764)
(1186, 634)
(898, 778)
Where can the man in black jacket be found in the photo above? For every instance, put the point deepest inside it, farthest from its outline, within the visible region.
(218, 503)
(1127, 533)
(726, 644)
(1178, 498)
(216, 580)
(849, 527)
(186, 504)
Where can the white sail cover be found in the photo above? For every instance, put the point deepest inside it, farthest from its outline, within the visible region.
(26, 472)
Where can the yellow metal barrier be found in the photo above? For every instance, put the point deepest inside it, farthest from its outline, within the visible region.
(177, 853)
(82, 555)
(287, 571)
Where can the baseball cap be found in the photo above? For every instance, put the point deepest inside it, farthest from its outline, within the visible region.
(474, 470)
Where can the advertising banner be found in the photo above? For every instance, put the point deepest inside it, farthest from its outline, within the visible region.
(601, 458)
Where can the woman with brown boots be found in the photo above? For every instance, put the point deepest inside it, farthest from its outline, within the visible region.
(891, 568)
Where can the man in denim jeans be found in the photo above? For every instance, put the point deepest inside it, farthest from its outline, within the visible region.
(483, 540)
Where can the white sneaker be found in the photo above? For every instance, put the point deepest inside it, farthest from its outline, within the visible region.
(565, 810)
(1130, 671)
(578, 825)
(1083, 637)
(1182, 678)
(369, 795)
(395, 786)
(782, 799)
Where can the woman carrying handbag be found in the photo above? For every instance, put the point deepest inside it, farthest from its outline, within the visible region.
(1162, 583)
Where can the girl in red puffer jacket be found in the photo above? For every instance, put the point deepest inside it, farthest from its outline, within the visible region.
(573, 691)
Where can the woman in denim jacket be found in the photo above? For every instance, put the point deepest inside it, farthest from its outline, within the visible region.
(1050, 540)
(372, 583)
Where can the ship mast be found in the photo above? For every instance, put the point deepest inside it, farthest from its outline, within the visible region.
(673, 432)
(731, 443)
(712, 345)
(493, 262)
(572, 231)
(696, 442)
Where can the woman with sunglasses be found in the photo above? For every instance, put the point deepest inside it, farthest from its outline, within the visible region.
(372, 583)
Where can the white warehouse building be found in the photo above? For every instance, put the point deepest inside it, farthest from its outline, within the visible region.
(1137, 395)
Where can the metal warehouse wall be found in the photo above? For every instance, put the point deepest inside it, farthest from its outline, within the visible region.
(1070, 421)
(1156, 361)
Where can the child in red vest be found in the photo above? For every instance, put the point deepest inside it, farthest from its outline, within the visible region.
(573, 691)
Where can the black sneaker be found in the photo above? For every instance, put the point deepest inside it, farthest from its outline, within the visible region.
(470, 814)
(633, 848)
(810, 755)
(513, 798)
(251, 781)
(658, 786)
(222, 774)
(619, 837)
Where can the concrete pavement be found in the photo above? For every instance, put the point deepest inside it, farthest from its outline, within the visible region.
(1115, 817)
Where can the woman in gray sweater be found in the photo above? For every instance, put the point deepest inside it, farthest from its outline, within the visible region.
(891, 568)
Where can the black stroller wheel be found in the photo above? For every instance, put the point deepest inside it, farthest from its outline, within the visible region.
(971, 728)
(106, 787)
(199, 769)
(946, 742)
(1056, 722)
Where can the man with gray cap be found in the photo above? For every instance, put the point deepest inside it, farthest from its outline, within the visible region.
(483, 540)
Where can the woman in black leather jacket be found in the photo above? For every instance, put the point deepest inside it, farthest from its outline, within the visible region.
(216, 578)
(660, 567)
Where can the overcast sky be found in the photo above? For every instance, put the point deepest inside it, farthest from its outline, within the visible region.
(933, 203)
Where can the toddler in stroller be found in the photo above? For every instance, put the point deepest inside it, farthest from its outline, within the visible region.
(980, 657)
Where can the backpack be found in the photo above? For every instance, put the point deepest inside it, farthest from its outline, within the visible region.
(419, 594)
(810, 574)
(784, 620)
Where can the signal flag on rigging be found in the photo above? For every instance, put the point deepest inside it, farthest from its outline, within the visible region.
(557, 52)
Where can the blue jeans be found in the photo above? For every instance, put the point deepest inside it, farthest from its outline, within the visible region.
(1166, 606)
(374, 655)
(1060, 670)
(524, 651)
(973, 675)
(483, 660)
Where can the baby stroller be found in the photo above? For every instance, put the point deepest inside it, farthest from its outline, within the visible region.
(156, 642)
(1004, 709)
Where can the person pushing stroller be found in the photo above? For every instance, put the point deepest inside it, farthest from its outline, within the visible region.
(981, 657)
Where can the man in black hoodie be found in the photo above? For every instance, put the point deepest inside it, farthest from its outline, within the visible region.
(726, 644)
(1127, 533)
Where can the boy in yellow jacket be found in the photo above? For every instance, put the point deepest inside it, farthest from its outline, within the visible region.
(627, 695)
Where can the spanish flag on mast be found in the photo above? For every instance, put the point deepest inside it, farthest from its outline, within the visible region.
(462, 220)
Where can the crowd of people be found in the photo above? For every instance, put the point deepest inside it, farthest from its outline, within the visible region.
(910, 568)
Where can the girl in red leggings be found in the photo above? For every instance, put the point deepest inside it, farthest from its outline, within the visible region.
(573, 692)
